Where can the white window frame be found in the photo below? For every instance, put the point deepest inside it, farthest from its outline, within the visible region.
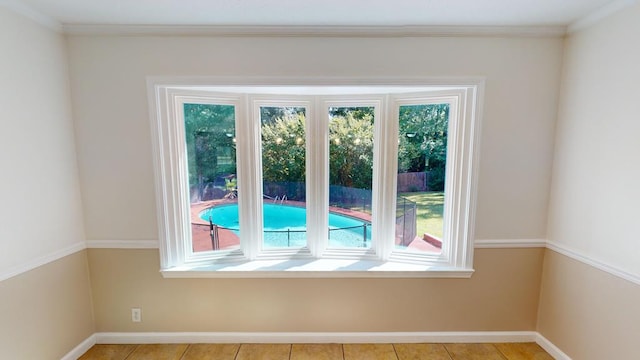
(255, 189)
(167, 97)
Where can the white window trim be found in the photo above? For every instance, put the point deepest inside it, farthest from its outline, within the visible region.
(167, 94)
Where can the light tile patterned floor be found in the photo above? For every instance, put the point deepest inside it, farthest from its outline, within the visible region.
(506, 351)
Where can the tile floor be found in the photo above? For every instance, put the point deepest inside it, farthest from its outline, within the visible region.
(506, 351)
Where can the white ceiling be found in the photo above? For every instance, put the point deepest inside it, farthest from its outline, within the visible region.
(318, 12)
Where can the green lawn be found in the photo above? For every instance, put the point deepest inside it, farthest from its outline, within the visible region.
(430, 206)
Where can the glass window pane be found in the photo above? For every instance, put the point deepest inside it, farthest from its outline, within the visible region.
(422, 155)
(211, 161)
(350, 176)
(283, 175)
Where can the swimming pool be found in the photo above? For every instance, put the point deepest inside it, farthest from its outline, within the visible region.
(285, 226)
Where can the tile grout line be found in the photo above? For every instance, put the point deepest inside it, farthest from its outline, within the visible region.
(237, 352)
(448, 352)
(500, 352)
(393, 346)
(185, 351)
(131, 352)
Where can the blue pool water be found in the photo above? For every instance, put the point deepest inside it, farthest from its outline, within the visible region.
(285, 226)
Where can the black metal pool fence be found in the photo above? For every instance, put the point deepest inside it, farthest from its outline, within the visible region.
(405, 231)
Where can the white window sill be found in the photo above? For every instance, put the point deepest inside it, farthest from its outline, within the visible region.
(323, 268)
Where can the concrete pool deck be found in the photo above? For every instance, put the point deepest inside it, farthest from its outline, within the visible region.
(228, 240)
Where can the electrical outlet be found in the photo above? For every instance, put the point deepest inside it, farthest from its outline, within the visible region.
(136, 315)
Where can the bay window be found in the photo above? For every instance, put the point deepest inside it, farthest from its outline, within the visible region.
(270, 179)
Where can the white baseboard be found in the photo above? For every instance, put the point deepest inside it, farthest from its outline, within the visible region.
(549, 347)
(81, 348)
(315, 337)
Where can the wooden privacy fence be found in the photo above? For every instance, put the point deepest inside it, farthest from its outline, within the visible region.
(413, 181)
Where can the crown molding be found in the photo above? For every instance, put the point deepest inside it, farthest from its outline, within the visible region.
(599, 14)
(314, 31)
(27, 11)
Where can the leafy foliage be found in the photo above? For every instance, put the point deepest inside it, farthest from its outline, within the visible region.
(423, 141)
(209, 137)
(351, 147)
(211, 149)
(283, 150)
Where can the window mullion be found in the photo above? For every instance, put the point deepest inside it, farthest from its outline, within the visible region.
(385, 168)
(249, 179)
(181, 191)
(174, 249)
(318, 177)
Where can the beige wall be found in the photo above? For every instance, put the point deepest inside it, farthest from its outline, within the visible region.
(593, 210)
(595, 192)
(501, 296)
(111, 111)
(108, 76)
(47, 311)
(588, 313)
(39, 187)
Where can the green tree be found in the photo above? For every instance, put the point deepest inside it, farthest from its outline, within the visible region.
(351, 148)
(209, 137)
(269, 114)
(283, 149)
(356, 112)
(423, 141)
